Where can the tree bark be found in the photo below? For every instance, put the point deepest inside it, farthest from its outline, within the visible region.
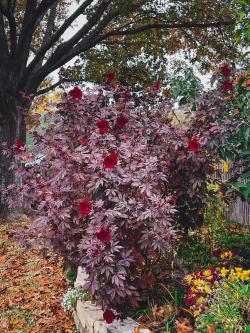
(12, 128)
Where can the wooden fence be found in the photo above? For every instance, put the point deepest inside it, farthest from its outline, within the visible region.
(239, 211)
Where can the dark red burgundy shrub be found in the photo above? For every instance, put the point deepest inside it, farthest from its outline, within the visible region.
(110, 199)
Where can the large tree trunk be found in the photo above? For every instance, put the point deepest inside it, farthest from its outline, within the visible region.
(12, 127)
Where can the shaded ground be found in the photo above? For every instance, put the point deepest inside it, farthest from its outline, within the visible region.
(31, 289)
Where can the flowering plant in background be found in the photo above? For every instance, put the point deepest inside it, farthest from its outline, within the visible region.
(225, 254)
(234, 274)
(234, 84)
(202, 284)
(228, 307)
(109, 188)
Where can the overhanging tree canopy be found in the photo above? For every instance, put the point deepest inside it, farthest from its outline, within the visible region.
(32, 45)
(105, 19)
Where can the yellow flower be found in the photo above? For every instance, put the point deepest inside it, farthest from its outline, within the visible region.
(225, 166)
(244, 275)
(226, 255)
(224, 272)
(198, 282)
(215, 166)
(238, 269)
(188, 278)
(194, 290)
(196, 313)
(232, 278)
(207, 289)
(200, 300)
(225, 286)
(207, 273)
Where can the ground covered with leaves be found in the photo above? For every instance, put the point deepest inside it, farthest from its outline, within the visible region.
(31, 287)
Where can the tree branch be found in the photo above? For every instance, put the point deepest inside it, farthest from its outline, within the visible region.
(49, 43)
(12, 24)
(64, 50)
(85, 44)
(33, 16)
(47, 89)
(188, 25)
(3, 43)
(49, 28)
(25, 38)
(92, 39)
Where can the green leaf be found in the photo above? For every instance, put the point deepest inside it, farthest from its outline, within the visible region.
(219, 330)
(183, 101)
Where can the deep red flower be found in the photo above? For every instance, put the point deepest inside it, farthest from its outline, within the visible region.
(156, 85)
(83, 141)
(103, 125)
(111, 76)
(19, 146)
(193, 144)
(85, 207)
(103, 235)
(226, 86)
(76, 93)
(121, 121)
(110, 161)
(108, 316)
(225, 70)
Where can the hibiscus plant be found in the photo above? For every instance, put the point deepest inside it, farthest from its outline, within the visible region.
(117, 179)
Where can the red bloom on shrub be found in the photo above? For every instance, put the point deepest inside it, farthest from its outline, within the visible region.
(85, 207)
(193, 144)
(110, 161)
(108, 316)
(103, 235)
(111, 76)
(121, 121)
(225, 70)
(19, 146)
(103, 125)
(156, 86)
(83, 141)
(76, 93)
(227, 86)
